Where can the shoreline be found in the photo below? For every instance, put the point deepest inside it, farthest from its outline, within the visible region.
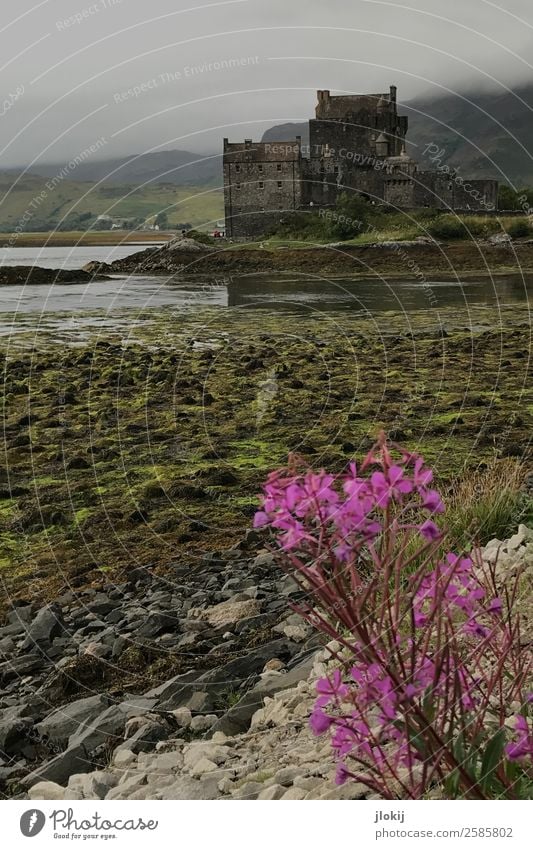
(417, 260)
(103, 238)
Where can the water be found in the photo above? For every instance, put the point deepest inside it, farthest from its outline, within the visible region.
(73, 309)
(70, 257)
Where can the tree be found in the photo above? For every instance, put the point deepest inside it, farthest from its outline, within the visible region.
(161, 220)
(350, 216)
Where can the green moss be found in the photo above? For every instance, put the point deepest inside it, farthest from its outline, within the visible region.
(159, 472)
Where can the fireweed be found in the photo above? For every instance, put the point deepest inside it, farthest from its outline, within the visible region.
(430, 681)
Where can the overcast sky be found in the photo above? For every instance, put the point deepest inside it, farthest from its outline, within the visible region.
(137, 72)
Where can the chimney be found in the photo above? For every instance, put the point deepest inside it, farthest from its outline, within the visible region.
(393, 91)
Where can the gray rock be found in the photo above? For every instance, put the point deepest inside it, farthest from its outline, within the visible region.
(20, 615)
(156, 623)
(183, 717)
(203, 766)
(47, 624)
(200, 702)
(72, 719)
(136, 705)
(294, 793)
(13, 735)
(205, 751)
(286, 776)
(187, 789)
(18, 667)
(145, 738)
(250, 790)
(109, 724)
(203, 723)
(93, 785)
(125, 789)
(118, 646)
(179, 690)
(123, 758)
(59, 769)
(237, 719)
(275, 791)
(7, 646)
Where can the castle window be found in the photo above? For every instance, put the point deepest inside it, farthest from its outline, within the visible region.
(261, 185)
(260, 167)
(237, 168)
(279, 166)
(336, 169)
(238, 185)
(280, 184)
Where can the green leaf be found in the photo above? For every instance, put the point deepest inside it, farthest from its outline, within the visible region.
(492, 758)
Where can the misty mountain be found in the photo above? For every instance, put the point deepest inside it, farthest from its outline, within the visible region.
(483, 134)
(486, 134)
(177, 167)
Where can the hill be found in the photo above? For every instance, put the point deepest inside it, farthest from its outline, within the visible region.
(177, 167)
(488, 135)
(73, 205)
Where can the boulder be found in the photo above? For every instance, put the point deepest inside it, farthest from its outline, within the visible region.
(18, 667)
(109, 724)
(238, 718)
(93, 785)
(46, 790)
(59, 769)
(156, 623)
(13, 735)
(44, 627)
(72, 719)
(229, 612)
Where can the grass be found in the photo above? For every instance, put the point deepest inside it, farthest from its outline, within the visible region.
(487, 503)
(400, 227)
(194, 205)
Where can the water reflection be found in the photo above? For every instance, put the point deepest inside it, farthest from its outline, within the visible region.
(374, 295)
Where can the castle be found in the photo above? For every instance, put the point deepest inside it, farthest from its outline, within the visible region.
(357, 143)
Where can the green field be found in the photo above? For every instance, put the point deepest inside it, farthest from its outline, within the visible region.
(36, 201)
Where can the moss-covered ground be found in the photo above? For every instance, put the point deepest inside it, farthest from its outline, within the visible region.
(152, 449)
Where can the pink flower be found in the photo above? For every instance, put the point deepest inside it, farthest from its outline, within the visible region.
(390, 486)
(495, 606)
(522, 745)
(331, 689)
(261, 519)
(431, 500)
(430, 531)
(422, 476)
(342, 775)
(319, 722)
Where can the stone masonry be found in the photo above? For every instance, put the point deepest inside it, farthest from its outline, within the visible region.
(357, 143)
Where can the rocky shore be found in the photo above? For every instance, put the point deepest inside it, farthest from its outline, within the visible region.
(72, 676)
(188, 257)
(232, 722)
(19, 275)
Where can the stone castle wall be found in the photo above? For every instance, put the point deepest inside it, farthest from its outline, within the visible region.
(357, 143)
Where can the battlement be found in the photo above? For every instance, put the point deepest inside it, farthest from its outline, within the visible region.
(341, 107)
